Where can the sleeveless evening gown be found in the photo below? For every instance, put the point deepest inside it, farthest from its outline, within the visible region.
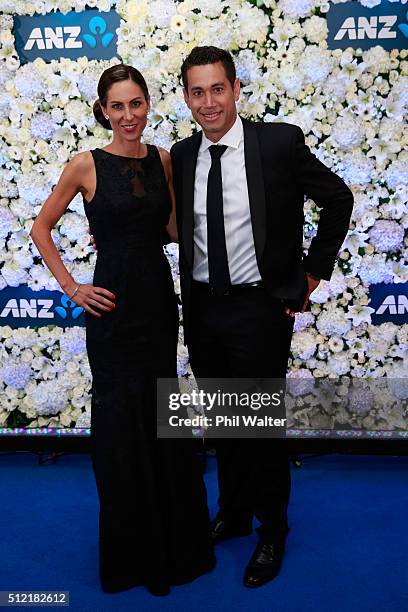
(153, 518)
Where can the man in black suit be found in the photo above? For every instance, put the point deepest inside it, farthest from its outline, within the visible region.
(240, 190)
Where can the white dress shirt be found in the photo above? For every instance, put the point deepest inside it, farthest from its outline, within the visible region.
(239, 238)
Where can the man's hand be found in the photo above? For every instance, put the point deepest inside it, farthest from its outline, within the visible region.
(312, 284)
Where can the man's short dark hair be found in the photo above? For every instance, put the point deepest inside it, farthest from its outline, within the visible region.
(200, 56)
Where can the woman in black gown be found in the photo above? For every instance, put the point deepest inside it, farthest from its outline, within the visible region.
(153, 521)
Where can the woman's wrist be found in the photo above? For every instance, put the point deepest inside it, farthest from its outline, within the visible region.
(69, 286)
(72, 295)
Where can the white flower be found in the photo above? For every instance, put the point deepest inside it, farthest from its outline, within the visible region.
(400, 90)
(337, 85)
(82, 272)
(24, 337)
(394, 108)
(49, 397)
(394, 209)
(79, 114)
(65, 134)
(303, 344)
(28, 82)
(73, 226)
(247, 66)
(15, 374)
(358, 168)
(178, 23)
(386, 235)
(357, 345)
(260, 89)
(84, 420)
(359, 314)
(87, 83)
(339, 363)
(315, 64)
(332, 321)
(57, 115)
(383, 149)
(400, 272)
(347, 132)
(23, 258)
(282, 33)
(296, 8)
(38, 278)
(6, 218)
(354, 241)
(162, 10)
(32, 187)
(315, 29)
(335, 344)
(396, 173)
(290, 80)
(8, 188)
(377, 59)
(303, 320)
(13, 274)
(385, 331)
(72, 341)
(251, 24)
(373, 269)
(210, 8)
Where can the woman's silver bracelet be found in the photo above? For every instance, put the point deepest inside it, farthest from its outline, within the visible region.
(75, 290)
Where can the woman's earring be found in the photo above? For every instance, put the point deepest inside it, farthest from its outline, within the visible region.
(107, 117)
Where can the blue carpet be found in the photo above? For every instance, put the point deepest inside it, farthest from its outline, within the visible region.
(347, 549)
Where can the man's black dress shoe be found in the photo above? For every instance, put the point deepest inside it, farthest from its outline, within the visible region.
(223, 530)
(264, 564)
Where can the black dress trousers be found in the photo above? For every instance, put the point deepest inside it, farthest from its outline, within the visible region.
(243, 335)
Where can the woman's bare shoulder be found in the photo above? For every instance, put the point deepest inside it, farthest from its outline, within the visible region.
(82, 161)
(166, 161)
(164, 154)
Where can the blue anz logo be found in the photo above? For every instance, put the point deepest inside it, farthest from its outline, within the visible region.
(352, 25)
(73, 35)
(97, 27)
(22, 307)
(390, 303)
(68, 306)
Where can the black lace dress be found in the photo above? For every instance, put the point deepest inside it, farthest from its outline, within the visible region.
(153, 520)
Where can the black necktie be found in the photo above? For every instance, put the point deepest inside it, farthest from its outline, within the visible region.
(219, 277)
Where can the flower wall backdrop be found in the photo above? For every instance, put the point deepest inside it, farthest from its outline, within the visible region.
(350, 104)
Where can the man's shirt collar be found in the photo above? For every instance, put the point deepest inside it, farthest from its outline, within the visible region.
(231, 139)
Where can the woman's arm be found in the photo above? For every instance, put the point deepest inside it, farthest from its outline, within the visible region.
(69, 184)
(171, 227)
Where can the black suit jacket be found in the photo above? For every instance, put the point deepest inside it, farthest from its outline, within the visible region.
(280, 171)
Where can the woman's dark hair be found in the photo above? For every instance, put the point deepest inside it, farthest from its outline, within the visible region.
(114, 74)
(200, 56)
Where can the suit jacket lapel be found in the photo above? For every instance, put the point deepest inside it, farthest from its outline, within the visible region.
(189, 168)
(256, 186)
